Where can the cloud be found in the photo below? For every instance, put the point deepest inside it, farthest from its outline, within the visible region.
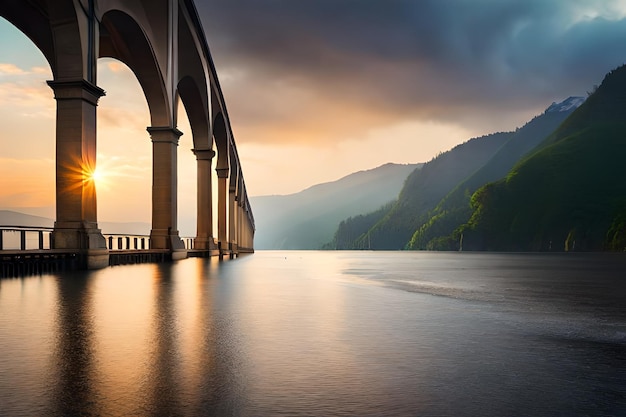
(124, 167)
(10, 69)
(116, 66)
(125, 118)
(33, 98)
(124, 105)
(26, 93)
(331, 70)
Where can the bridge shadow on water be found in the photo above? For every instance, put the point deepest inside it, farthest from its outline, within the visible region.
(119, 353)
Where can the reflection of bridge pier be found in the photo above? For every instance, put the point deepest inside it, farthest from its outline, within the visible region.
(73, 358)
(72, 37)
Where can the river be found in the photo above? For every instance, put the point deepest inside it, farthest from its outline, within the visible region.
(320, 334)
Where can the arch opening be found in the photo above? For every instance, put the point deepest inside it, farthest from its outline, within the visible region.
(124, 152)
(220, 136)
(122, 38)
(27, 115)
(187, 176)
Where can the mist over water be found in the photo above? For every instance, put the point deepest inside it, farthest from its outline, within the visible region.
(321, 333)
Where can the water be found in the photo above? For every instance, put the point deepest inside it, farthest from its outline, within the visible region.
(321, 333)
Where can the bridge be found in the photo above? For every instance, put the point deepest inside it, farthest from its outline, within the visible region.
(163, 43)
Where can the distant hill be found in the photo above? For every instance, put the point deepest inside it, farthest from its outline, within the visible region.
(129, 228)
(308, 219)
(567, 194)
(423, 189)
(454, 209)
(13, 218)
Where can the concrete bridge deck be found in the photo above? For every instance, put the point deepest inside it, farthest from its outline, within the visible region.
(20, 263)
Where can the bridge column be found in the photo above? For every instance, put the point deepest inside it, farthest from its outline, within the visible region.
(164, 234)
(204, 231)
(239, 224)
(222, 191)
(76, 225)
(232, 220)
(247, 231)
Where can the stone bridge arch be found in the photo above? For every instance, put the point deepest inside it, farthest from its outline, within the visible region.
(122, 38)
(147, 36)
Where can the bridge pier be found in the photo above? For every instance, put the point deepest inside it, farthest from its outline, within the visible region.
(232, 220)
(76, 225)
(222, 178)
(204, 231)
(164, 233)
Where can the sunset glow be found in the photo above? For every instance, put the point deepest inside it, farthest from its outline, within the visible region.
(98, 177)
(349, 93)
(315, 207)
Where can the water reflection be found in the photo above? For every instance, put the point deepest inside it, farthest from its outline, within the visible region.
(316, 334)
(221, 366)
(147, 340)
(163, 378)
(74, 362)
(123, 352)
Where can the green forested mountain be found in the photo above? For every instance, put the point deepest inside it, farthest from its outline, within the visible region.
(569, 193)
(454, 209)
(423, 189)
(351, 229)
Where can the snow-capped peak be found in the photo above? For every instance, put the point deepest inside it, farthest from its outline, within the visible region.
(568, 104)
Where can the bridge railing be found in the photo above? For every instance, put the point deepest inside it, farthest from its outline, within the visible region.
(25, 238)
(127, 242)
(16, 238)
(136, 242)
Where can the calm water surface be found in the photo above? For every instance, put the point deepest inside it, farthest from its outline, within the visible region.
(320, 333)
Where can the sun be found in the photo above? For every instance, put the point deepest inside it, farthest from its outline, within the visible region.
(95, 176)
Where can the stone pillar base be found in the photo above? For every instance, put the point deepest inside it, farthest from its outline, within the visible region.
(233, 247)
(84, 238)
(205, 243)
(164, 239)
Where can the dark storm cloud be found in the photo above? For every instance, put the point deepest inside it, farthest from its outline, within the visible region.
(392, 60)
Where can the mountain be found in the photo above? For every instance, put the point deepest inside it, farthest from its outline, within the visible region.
(567, 194)
(350, 231)
(454, 209)
(423, 189)
(125, 228)
(308, 219)
(14, 218)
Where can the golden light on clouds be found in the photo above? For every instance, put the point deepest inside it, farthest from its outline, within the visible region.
(308, 164)
(116, 66)
(10, 69)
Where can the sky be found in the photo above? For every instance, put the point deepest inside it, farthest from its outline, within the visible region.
(318, 89)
